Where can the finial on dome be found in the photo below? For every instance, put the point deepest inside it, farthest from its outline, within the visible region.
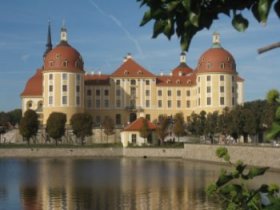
(183, 57)
(216, 40)
(63, 32)
(49, 40)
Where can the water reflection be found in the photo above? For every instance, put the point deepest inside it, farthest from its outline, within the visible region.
(84, 184)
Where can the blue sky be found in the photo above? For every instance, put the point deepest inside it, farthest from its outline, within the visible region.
(105, 31)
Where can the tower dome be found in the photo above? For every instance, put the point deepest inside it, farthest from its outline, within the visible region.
(216, 59)
(64, 57)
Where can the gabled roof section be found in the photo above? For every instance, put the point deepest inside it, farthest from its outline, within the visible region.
(131, 68)
(34, 86)
(97, 79)
(137, 125)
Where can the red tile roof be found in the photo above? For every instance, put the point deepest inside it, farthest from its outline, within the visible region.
(240, 79)
(34, 86)
(130, 68)
(97, 79)
(137, 125)
(181, 70)
(188, 80)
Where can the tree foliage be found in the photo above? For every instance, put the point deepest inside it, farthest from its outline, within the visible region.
(144, 130)
(29, 125)
(10, 118)
(108, 125)
(232, 190)
(56, 126)
(162, 127)
(179, 125)
(82, 125)
(187, 17)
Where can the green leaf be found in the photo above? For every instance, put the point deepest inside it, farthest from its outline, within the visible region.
(277, 114)
(263, 9)
(194, 18)
(223, 179)
(273, 132)
(272, 96)
(240, 23)
(172, 6)
(168, 29)
(146, 18)
(256, 171)
(158, 27)
(277, 8)
(221, 152)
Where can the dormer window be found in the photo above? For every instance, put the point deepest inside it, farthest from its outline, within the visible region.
(189, 82)
(65, 63)
(209, 65)
(228, 58)
(168, 81)
(57, 56)
(178, 81)
(222, 65)
(140, 72)
(125, 72)
(51, 63)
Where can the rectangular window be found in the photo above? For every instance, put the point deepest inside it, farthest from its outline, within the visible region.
(188, 93)
(64, 88)
(64, 76)
(232, 89)
(89, 103)
(147, 103)
(147, 82)
(169, 103)
(106, 103)
(133, 138)
(222, 78)
(208, 89)
(159, 92)
(118, 119)
(78, 77)
(147, 92)
(50, 77)
(159, 103)
(178, 92)
(97, 103)
(118, 92)
(64, 100)
(106, 92)
(233, 101)
(222, 89)
(178, 104)
(50, 100)
(188, 104)
(77, 88)
(133, 91)
(222, 101)
(118, 82)
(89, 92)
(50, 88)
(232, 78)
(198, 102)
(208, 100)
(78, 100)
(97, 92)
(208, 78)
(198, 90)
(169, 93)
(118, 103)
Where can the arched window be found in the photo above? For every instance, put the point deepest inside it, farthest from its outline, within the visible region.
(51, 63)
(40, 106)
(29, 104)
(65, 63)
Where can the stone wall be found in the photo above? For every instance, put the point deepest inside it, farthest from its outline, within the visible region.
(251, 155)
(153, 152)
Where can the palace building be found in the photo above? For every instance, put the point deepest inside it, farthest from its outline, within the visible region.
(131, 91)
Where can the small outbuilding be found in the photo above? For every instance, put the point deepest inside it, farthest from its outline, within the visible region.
(131, 134)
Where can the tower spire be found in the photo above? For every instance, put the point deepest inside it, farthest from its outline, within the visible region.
(63, 32)
(49, 40)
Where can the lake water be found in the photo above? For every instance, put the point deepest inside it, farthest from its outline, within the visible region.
(124, 183)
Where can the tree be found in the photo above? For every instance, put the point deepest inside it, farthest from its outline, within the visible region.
(144, 130)
(179, 125)
(29, 125)
(274, 131)
(15, 116)
(108, 126)
(162, 127)
(56, 126)
(187, 17)
(211, 125)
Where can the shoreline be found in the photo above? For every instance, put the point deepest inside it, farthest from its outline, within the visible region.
(254, 156)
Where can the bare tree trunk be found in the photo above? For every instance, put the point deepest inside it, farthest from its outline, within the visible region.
(269, 47)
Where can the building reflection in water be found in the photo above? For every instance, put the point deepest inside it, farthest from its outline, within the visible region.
(49, 184)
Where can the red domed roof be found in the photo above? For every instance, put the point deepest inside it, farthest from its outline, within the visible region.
(64, 57)
(33, 86)
(216, 59)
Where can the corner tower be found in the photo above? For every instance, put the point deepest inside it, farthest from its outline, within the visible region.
(63, 80)
(216, 78)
